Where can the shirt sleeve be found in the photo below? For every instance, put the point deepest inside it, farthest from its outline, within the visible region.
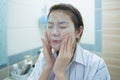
(35, 74)
(102, 72)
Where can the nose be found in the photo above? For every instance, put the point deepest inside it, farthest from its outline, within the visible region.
(55, 32)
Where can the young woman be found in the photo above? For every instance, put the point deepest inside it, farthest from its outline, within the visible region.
(62, 57)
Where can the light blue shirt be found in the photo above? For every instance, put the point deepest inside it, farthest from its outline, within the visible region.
(84, 66)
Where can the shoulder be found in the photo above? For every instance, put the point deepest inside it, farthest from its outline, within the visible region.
(94, 63)
(37, 70)
(40, 61)
(92, 59)
(95, 66)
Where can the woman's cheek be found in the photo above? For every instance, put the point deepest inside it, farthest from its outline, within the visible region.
(67, 32)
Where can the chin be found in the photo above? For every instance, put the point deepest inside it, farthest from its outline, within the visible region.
(56, 47)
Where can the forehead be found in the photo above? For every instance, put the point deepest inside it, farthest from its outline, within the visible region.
(59, 15)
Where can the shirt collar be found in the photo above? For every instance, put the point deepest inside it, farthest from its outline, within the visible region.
(78, 55)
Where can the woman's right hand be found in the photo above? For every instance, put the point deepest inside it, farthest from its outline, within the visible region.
(47, 51)
(48, 58)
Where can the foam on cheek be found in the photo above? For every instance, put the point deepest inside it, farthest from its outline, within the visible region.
(67, 32)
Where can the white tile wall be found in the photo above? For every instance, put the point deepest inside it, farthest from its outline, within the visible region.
(23, 30)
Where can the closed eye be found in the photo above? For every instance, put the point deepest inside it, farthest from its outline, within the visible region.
(63, 27)
(50, 27)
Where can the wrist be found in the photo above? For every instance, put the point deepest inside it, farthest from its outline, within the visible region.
(47, 68)
(45, 73)
(60, 75)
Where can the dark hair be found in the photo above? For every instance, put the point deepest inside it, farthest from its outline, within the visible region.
(71, 11)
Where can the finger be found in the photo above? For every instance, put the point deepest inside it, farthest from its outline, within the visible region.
(45, 35)
(44, 45)
(47, 54)
(69, 42)
(69, 46)
(65, 34)
(48, 43)
(73, 45)
(62, 48)
(44, 48)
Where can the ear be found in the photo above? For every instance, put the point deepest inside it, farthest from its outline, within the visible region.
(79, 32)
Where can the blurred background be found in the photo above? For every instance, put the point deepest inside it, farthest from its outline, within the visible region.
(22, 24)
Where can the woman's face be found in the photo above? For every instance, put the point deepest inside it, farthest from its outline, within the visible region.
(59, 25)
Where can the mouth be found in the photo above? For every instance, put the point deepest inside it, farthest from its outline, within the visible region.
(56, 41)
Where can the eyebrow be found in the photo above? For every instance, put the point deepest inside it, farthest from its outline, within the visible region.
(50, 22)
(63, 22)
(60, 22)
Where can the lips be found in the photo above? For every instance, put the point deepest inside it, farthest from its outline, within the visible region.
(55, 41)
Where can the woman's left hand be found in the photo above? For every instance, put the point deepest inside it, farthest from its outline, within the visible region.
(65, 55)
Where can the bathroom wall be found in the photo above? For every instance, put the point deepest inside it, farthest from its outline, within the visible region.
(23, 30)
(111, 36)
(22, 25)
